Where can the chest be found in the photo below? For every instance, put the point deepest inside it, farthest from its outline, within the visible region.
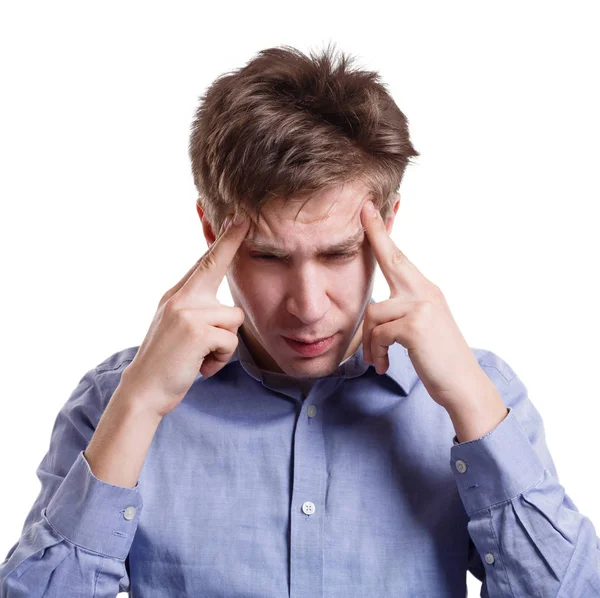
(278, 499)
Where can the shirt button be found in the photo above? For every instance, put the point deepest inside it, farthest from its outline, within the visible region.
(308, 508)
(461, 466)
(489, 558)
(311, 411)
(129, 513)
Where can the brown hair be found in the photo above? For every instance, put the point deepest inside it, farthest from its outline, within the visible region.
(291, 125)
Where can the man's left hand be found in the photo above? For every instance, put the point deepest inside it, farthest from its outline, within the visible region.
(417, 316)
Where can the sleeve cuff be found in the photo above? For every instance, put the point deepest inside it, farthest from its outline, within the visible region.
(496, 467)
(93, 514)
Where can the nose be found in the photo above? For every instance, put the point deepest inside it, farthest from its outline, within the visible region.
(307, 297)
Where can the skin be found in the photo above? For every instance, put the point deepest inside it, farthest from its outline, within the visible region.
(311, 294)
(418, 317)
(315, 293)
(306, 294)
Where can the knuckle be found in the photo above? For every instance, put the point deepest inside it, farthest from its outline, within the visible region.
(413, 326)
(202, 332)
(233, 341)
(422, 311)
(172, 306)
(190, 325)
(427, 308)
(436, 293)
(208, 260)
(186, 320)
(165, 297)
(369, 312)
(419, 319)
(241, 315)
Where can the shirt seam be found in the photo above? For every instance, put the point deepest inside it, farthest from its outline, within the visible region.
(97, 577)
(94, 552)
(489, 365)
(129, 359)
(501, 551)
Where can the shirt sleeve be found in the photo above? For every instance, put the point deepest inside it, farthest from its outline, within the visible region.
(79, 531)
(530, 539)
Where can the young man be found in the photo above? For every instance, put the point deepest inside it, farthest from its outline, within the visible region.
(306, 441)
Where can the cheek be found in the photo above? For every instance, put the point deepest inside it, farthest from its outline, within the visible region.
(257, 289)
(354, 281)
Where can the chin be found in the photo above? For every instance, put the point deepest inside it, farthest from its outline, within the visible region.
(313, 367)
(310, 372)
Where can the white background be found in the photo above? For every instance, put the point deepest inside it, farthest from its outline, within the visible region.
(98, 213)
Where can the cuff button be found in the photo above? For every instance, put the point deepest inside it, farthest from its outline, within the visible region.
(461, 466)
(129, 513)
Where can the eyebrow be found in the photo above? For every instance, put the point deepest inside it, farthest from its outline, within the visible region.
(352, 242)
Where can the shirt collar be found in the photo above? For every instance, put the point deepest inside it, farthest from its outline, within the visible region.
(400, 370)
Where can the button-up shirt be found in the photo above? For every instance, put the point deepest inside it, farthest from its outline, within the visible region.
(351, 485)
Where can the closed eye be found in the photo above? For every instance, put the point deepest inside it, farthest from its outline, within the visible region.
(343, 255)
(264, 257)
(335, 256)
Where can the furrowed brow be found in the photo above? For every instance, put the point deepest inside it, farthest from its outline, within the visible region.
(352, 242)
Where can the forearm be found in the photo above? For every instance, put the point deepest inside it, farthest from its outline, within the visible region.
(118, 448)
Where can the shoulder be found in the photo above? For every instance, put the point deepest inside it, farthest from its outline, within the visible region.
(107, 374)
(117, 361)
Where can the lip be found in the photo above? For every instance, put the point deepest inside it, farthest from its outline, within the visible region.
(310, 349)
(306, 340)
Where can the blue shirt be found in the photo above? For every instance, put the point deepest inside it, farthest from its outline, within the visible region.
(353, 486)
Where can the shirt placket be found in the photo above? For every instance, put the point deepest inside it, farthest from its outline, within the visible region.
(308, 495)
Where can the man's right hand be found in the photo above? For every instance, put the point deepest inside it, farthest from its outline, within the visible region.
(191, 331)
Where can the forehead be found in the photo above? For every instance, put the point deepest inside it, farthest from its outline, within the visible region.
(319, 223)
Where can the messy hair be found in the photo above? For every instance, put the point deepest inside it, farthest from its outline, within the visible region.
(288, 126)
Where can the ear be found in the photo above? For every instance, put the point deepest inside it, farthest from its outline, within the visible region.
(209, 234)
(389, 221)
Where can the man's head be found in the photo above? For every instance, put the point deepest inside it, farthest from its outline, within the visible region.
(299, 145)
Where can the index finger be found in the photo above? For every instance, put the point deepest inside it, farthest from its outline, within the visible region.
(397, 269)
(213, 265)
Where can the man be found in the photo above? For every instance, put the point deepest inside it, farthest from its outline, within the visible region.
(306, 441)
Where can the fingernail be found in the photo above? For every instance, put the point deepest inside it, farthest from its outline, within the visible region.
(371, 208)
(239, 218)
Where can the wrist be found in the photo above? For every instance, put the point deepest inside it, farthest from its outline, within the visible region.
(137, 401)
(478, 415)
